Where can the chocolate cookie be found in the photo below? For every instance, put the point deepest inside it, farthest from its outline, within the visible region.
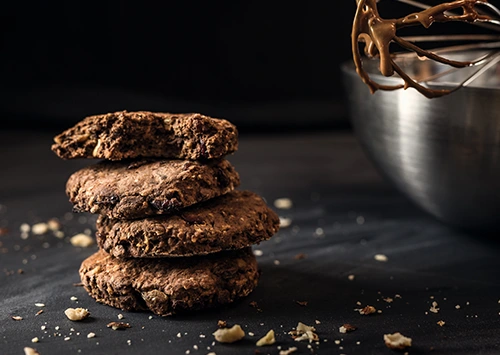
(127, 190)
(122, 135)
(236, 220)
(170, 285)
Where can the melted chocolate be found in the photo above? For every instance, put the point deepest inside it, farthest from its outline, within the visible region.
(378, 33)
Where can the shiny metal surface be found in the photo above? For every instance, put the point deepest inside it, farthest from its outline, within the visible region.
(444, 153)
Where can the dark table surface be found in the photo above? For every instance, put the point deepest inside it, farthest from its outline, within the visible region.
(343, 214)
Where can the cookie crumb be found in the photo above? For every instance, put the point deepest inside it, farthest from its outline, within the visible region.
(457, 306)
(30, 351)
(388, 299)
(229, 335)
(82, 240)
(397, 341)
(285, 222)
(16, 317)
(39, 305)
(381, 257)
(118, 325)
(53, 224)
(304, 332)
(302, 303)
(40, 228)
(283, 203)
(35, 340)
(179, 335)
(289, 351)
(222, 323)
(120, 316)
(267, 339)
(434, 308)
(300, 256)
(346, 328)
(73, 298)
(24, 228)
(91, 335)
(351, 277)
(258, 252)
(367, 310)
(441, 323)
(76, 314)
(317, 321)
(67, 339)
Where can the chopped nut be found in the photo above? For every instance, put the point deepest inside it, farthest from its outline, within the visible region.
(267, 339)
(76, 314)
(222, 324)
(441, 323)
(304, 332)
(301, 303)
(434, 308)
(82, 240)
(229, 335)
(40, 228)
(30, 351)
(367, 310)
(289, 351)
(346, 328)
(381, 257)
(397, 341)
(35, 340)
(16, 317)
(118, 325)
(283, 203)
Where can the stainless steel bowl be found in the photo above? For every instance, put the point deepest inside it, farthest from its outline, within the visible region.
(444, 153)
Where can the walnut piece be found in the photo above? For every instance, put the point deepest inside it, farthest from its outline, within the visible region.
(397, 341)
(76, 314)
(229, 335)
(267, 339)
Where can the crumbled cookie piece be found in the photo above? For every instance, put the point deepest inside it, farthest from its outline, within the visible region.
(16, 317)
(441, 323)
(434, 308)
(82, 240)
(118, 325)
(76, 314)
(30, 351)
(367, 310)
(267, 339)
(397, 341)
(229, 335)
(346, 328)
(221, 323)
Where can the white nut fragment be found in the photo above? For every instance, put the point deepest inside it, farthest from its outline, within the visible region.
(76, 314)
(283, 203)
(82, 240)
(229, 335)
(267, 339)
(397, 341)
(40, 228)
(289, 351)
(30, 351)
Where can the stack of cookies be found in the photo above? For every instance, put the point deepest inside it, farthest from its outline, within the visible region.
(174, 233)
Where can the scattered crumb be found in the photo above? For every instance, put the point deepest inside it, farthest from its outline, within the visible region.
(120, 316)
(53, 224)
(388, 299)
(351, 277)
(39, 305)
(24, 228)
(302, 303)
(229, 335)
(367, 310)
(179, 335)
(82, 240)
(43, 327)
(346, 328)
(267, 339)
(76, 314)
(360, 220)
(30, 351)
(67, 339)
(319, 231)
(434, 308)
(317, 321)
(381, 257)
(337, 342)
(35, 340)
(129, 342)
(40, 228)
(73, 298)
(397, 341)
(300, 256)
(222, 323)
(118, 325)
(441, 323)
(90, 335)
(277, 262)
(251, 304)
(258, 252)
(285, 222)
(16, 317)
(251, 334)
(283, 203)
(59, 234)
(289, 351)
(457, 306)
(39, 312)
(304, 332)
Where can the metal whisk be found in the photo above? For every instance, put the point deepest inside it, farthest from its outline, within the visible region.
(370, 28)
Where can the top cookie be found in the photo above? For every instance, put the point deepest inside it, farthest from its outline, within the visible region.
(122, 135)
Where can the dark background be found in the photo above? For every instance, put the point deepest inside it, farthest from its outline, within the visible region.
(263, 65)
